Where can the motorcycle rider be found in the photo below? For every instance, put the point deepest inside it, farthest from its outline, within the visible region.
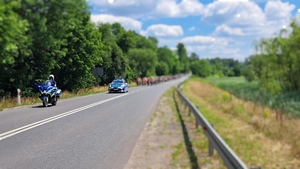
(53, 82)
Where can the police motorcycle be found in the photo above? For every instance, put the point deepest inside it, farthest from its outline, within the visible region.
(48, 93)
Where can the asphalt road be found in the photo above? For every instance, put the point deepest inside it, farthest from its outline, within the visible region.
(95, 131)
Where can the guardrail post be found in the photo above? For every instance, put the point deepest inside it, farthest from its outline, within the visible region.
(19, 96)
(197, 124)
(210, 146)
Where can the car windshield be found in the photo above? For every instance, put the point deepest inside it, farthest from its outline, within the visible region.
(117, 81)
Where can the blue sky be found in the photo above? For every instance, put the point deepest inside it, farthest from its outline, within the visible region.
(210, 28)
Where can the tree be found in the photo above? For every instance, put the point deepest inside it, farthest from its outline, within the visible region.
(12, 32)
(183, 58)
(84, 52)
(115, 62)
(194, 57)
(277, 61)
(13, 44)
(143, 61)
(201, 68)
(153, 39)
(161, 69)
(165, 55)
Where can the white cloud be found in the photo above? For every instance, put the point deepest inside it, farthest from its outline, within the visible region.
(148, 8)
(192, 28)
(121, 2)
(204, 40)
(261, 1)
(127, 23)
(162, 30)
(129, 8)
(233, 0)
(226, 30)
(247, 19)
(213, 51)
(277, 10)
(227, 13)
(213, 46)
(182, 9)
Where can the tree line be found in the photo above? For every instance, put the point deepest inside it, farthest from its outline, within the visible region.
(38, 38)
(220, 67)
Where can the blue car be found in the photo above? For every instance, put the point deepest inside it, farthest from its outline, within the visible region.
(118, 85)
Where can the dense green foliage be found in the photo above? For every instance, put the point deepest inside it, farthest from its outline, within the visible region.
(277, 64)
(276, 69)
(38, 38)
(216, 66)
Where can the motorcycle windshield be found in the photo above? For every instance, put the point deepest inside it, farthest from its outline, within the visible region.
(47, 85)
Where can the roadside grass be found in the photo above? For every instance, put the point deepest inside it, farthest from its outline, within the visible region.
(196, 143)
(250, 130)
(249, 91)
(12, 102)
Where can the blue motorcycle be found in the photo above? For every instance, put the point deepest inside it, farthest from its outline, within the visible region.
(48, 93)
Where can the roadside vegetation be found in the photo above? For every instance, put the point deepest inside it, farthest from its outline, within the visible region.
(286, 102)
(250, 129)
(49, 37)
(271, 76)
(61, 39)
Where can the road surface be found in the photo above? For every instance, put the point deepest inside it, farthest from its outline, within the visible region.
(95, 131)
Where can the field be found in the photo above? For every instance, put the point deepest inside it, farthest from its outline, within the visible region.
(251, 130)
(288, 102)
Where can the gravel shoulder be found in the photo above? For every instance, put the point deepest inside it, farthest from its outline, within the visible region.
(171, 140)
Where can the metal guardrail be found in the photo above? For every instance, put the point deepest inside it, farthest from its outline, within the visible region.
(231, 160)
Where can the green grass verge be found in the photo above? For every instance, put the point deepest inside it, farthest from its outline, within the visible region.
(250, 91)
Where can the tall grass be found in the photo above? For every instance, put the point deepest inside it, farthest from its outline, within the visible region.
(251, 130)
(288, 102)
(12, 102)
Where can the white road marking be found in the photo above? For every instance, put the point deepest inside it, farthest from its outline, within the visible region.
(41, 122)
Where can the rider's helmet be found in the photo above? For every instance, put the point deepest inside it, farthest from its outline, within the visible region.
(51, 77)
